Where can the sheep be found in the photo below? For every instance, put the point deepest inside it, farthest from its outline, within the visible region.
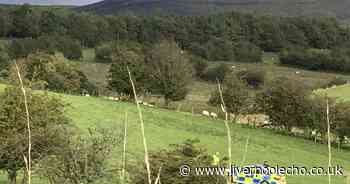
(233, 67)
(206, 113)
(213, 115)
(87, 95)
(297, 72)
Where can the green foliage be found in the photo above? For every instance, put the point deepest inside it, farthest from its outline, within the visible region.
(81, 160)
(118, 74)
(169, 70)
(199, 65)
(47, 71)
(216, 73)
(188, 153)
(4, 62)
(337, 59)
(103, 54)
(235, 94)
(253, 77)
(70, 48)
(285, 101)
(220, 50)
(248, 53)
(47, 121)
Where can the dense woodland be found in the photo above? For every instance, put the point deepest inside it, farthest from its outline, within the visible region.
(215, 37)
(163, 54)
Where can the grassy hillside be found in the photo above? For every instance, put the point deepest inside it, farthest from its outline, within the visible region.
(335, 8)
(165, 127)
(340, 92)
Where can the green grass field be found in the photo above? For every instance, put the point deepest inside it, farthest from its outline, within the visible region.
(340, 92)
(165, 127)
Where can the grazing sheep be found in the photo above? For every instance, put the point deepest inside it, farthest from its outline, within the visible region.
(297, 72)
(206, 113)
(233, 67)
(87, 95)
(150, 105)
(115, 98)
(213, 115)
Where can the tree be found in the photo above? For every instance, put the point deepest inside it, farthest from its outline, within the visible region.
(286, 102)
(25, 22)
(45, 71)
(169, 70)
(247, 52)
(4, 62)
(70, 48)
(48, 123)
(235, 94)
(118, 73)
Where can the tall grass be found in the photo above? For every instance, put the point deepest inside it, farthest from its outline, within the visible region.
(148, 167)
(28, 158)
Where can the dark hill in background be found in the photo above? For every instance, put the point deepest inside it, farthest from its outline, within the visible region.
(334, 8)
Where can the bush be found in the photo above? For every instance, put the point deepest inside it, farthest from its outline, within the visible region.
(48, 128)
(217, 73)
(247, 52)
(235, 94)
(49, 72)
(81, 160)
(188, 153)
(285, 101)
(199, 65)
(70, 48)
(254, 77)
(103, 54)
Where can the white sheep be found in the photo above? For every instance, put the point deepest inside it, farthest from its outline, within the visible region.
(297, 72)
(87, 95)
(213, 115)
(206, 113)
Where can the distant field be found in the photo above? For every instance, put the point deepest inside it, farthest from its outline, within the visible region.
(340, 92)
(200, 91)
(164, 127)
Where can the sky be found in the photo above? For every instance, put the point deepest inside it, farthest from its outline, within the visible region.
(50, 2)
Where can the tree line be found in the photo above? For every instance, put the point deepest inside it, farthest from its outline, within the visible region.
(214, 37)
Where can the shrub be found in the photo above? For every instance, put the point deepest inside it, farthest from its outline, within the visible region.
(216, 73)
(253, 77)
(285, 101)
(81, 160)
(199, 65)
(47, 71)
(188, 153)
(235, 94)
(48, 128)
(103, 54)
